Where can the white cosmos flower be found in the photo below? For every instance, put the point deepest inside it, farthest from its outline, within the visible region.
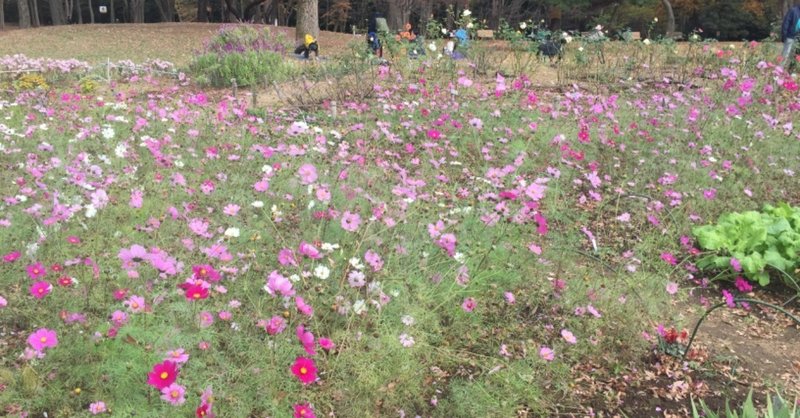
(322, 272)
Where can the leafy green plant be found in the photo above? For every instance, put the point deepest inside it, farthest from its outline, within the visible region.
(776, 408)
(753, 242)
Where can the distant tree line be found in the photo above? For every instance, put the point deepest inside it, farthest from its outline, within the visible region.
(723, 19)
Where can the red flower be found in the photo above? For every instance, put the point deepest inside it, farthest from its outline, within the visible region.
(305, 370)
(65, 281)
(162, 375)
(57, 268)
(195, 292)
(202, 411)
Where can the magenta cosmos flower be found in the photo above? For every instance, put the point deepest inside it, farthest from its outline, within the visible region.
(43, 338)
(305, 370)
(162, 375)
(303, 410)
(36, 271)
(40, 289)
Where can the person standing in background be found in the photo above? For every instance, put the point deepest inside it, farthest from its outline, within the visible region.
(789, 31)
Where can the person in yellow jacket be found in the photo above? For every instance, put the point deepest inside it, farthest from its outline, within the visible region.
(309, 45)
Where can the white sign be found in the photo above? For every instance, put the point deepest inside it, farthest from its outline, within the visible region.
(103, 9)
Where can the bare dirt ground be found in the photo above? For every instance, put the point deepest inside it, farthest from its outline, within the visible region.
(174, 42)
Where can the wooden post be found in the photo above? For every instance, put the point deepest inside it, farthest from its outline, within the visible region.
(334, 110)
(234, 86)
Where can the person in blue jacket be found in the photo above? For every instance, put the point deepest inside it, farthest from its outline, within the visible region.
(789, 34)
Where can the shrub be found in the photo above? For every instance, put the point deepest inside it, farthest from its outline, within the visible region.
(242, 53)
(750, 242)
(31, 81)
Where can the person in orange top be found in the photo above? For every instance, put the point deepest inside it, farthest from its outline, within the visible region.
(406, 34)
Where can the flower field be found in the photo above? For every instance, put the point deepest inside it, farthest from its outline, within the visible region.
(455, 244)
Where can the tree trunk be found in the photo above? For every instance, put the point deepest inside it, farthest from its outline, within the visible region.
(425, 16)
(78, 11)
(202, 10)
(24, 14)
(2, 15)
(57, 12)
(497, 8)
(307, 19)
(112, 16)
(395, 17)
(91, 11)
(34, 6)
(670, 17)
(137, 11)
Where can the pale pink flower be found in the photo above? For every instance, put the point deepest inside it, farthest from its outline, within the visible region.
(568, 336)
(174, 394)
(308, 173)
(547, 353)
(350, 221)
(97, 407)
(469, 304)
(672, 288)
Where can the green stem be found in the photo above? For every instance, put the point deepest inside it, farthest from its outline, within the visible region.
(753, 301)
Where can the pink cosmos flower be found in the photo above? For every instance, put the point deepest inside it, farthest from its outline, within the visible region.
(303, 410)
(669, 258)
(275, 325)
(231, 209)
(36, 271)
(286, 257)
(278, 284)
(162, 375)
(547, 353)
(469, 304)
(178, 356)
(40, 289)
(308, 173)
(448, 243)
(326, 344)
(736, 265)
(672, 288)
(743, 285)
(205, 272)
(303, 307)
(3, 302)
(137, 196)
(43, 338)
(350, 221)
(174, 394)
(568, 336)
(72, 239)
(97, 407)
(308, 250)
(11, 257)
(306, 339)
(206, 319)
(135, 304)
(119, 318)
(305, 370)
(510, 299)
(374, 260)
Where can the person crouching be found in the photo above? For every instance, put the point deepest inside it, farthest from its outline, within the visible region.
(309, 45)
